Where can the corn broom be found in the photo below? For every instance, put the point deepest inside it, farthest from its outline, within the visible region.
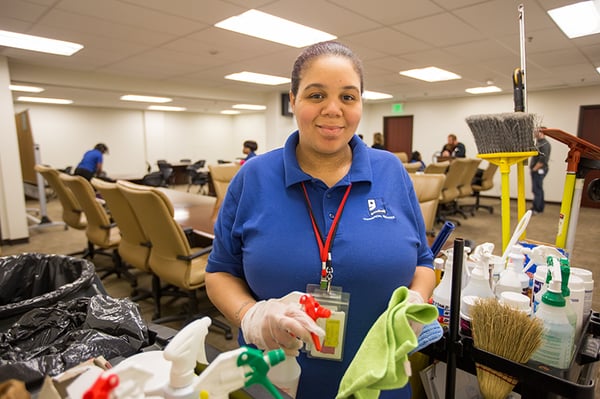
(506, 332)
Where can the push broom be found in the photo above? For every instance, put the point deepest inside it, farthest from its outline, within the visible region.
(506, 139)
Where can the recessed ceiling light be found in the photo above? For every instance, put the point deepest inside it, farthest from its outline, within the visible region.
(165, 108)
(269, 27)
(598, 69)
(483, 90)
(44, 100)
(258, 78)
(37, 43)
(430, 74)
(579, 19)
(145, 99)
(230, 112)
(373, 95)
(250, 107)
(27, 89)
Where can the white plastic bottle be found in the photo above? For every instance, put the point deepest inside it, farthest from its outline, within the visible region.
(556, 349)
(477, 287)
(441, 293)
(286, 375)
(566, 293)
(588, 281)
(577, 298)
(539, 284)
(516, 301)
(513, 279)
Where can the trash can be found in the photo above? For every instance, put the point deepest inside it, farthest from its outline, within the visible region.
(33, 280)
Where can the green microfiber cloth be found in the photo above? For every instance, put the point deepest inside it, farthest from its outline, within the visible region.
(382, 359)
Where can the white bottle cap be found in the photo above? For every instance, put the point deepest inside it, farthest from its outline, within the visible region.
(516, 301)
(468, 301)
(585, 274)
(576, 283)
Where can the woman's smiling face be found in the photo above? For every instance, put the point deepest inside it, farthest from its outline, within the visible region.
(328, 106)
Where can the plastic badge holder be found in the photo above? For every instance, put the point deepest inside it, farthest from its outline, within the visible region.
(335, 326)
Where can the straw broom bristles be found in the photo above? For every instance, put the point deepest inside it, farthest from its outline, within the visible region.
(508, 333)
(504, 132)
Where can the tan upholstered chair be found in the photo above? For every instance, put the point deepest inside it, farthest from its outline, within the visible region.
(450, 191)
(428, 188)
(172, 258)
(221, 175)
(487, 183)
(437, 167)
(134, 246)
(100, 231)
(402, 156)
(411, 167)
(465, 186)
(72, 214)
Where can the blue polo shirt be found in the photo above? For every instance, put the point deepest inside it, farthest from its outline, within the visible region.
(264, 235)
(90, 160)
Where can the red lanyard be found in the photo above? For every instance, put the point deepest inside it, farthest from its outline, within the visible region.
(325, 247)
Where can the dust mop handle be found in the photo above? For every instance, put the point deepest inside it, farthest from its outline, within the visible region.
(523, 56)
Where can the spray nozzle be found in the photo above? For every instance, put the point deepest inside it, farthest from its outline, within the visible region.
(260, 365)
(553, 295)
(565, 272)
(539, 254)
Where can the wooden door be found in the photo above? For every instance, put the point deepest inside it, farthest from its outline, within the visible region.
(397, 133)
(589, 130)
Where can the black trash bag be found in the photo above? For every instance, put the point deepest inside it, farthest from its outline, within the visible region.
(33, 280)
(49, 341)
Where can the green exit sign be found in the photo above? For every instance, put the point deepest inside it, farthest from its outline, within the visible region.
(397, 108)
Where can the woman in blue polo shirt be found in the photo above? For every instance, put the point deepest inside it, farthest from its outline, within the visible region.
(91, 163)
(281, 225)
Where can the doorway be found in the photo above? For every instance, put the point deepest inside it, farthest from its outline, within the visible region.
(588, 129)
(398, 133)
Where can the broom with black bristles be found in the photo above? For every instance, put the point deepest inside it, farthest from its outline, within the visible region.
(506, 332)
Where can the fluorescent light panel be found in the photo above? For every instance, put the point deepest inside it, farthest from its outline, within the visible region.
(598, 69)
(165, 108)
(269, 27)
(230, 112)
(145, 99)
(37, 43)
(44, 100)
(257, 78)
(579, 19)
(26, 89)
(373, 95)
(430, 74)
(483, 90)
(251, 107)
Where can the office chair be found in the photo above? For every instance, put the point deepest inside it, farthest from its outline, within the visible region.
(465, 187)
(100, 231)
(437, 167)
(166, 170)
(72, 214)
(197, 176)
(486, 183)
(134, 246)
(447, 205)
(221, 175)
(428, 188)
(172, 258)
(411, 167)
(402, 156)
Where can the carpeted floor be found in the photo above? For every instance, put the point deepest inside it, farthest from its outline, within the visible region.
(483, 227)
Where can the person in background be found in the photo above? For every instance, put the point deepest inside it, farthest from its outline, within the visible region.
(377, 240)
(91, 163)
(361, 136)
(250, 147)
(539, 169)
(454, 148)
(378, 141)
(415, 156)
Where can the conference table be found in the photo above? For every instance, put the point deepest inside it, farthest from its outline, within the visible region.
(193, 211)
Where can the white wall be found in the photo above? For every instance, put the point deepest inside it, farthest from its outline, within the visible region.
(434, 120)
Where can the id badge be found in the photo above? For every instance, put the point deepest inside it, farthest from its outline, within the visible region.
(337, 302)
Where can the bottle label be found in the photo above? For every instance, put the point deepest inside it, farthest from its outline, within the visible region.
(465, 325)
(444, 313)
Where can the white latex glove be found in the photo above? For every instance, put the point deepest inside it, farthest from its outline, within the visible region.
(274, 324)
(416, 298)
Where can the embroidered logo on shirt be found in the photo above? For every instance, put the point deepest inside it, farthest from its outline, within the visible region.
(377, 209)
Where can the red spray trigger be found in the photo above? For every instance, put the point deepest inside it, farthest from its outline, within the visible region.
(102, 387)
(315, 311)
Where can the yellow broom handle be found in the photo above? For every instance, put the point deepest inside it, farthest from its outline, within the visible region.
(565, 210)
(505, 171)
(521, 193)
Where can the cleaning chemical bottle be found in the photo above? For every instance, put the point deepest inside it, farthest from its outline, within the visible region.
(540, 281)
(588, 282)
(577, 297)
(477, 287)
(466, 304)
(441, 293)
(512, 278)
(566, 292)
(516, 301)
(286, 375)
(556, 349)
